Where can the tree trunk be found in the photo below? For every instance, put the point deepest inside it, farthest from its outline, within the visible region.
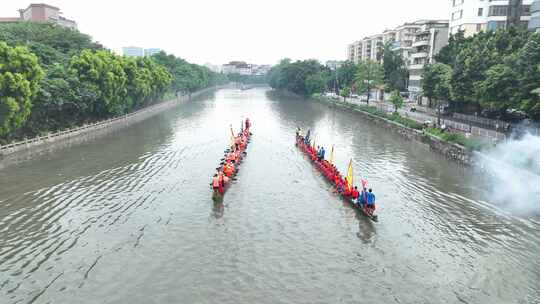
(438, 113)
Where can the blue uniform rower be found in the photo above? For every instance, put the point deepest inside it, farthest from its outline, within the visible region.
(370, 198)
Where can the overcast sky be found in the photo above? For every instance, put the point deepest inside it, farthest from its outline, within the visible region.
(257, 31)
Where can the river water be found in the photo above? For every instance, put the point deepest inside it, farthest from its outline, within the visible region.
(128, 218)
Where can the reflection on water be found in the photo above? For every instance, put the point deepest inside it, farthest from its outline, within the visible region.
(128, 218)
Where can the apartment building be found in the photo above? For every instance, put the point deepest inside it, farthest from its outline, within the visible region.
(418, 42)
(534, 23)
(430, 37)
(40, 12)
(473, 16)
(369, 48)
(404, 39)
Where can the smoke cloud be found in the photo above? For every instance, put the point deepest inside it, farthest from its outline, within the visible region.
(513, 174)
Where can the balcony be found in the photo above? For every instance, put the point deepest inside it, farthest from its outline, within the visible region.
(416, 67)
(419, 43)
(419, 55)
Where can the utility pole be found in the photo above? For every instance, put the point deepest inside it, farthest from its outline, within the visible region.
(368, 65)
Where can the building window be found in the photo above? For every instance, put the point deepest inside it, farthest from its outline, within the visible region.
(479, 27)
(480, 12)
(498, 10)
(495, 25)
(526, 10)
(457, 15)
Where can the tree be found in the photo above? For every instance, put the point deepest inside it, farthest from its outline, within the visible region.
(498, 89)
(187, 77)
(103, 70)
(395, 71)
(471, 58)
(345, 92)
(300, 77)
(396, 100)
(52, 44)
(527, 65)
(315, 83)
(343, 76)
(369, 75)
(20, 75)
(448, 53)
(436, 84)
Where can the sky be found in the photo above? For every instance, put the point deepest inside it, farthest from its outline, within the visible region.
(256, 31)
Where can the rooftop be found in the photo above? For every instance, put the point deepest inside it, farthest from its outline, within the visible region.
(41, 5)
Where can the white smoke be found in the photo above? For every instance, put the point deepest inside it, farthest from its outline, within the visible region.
(513, 174)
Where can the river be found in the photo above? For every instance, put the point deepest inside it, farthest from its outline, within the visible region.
(128, 217)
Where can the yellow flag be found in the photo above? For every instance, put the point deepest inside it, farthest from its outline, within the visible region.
(332, 156)
(314, 138)
(350, 175)
(232, 137)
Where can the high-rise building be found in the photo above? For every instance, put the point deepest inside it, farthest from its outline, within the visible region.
(418, 42)
(41, 12)
(133, 51)
(534, 23)
(429, 39)
(369, 48)
(473, 16)
(151, 52)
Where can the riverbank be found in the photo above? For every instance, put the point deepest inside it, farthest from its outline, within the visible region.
(21, 150)
(411, 130)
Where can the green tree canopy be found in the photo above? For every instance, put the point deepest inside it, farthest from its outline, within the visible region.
(20, 75)
(396, 100)
(369, 75)
(105, 71)
(300, 77)
(395, 71)
(315, 83)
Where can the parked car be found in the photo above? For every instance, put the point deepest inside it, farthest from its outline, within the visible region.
(514, 115)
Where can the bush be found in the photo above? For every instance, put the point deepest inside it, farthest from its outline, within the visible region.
(457, 138)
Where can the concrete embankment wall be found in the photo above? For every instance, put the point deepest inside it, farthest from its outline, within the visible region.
(53, 140)
(451, 151)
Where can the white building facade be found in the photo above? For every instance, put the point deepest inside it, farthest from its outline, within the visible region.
(429, 39)
(534, 23)
(473, 16)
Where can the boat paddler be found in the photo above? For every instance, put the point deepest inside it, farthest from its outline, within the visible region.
(370, 198)
(216, 185)
(355, 193)
(362, 200)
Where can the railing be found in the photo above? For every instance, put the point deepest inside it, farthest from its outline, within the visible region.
(496, 125)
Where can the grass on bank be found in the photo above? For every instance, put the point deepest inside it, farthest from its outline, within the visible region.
(455, 138)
